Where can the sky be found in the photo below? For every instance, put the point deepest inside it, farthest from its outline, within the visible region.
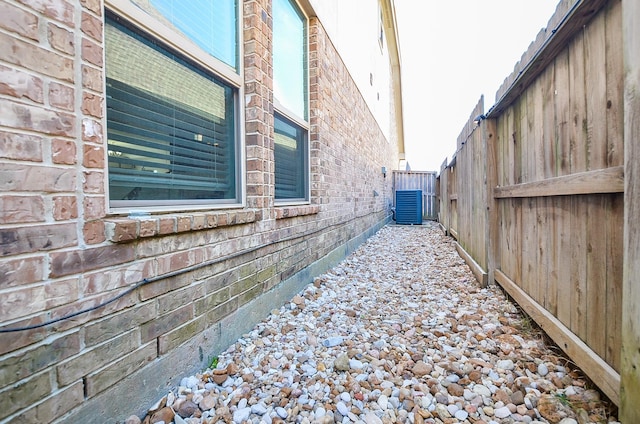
(453, 52)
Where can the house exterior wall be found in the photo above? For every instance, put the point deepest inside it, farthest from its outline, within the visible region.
(164, 293)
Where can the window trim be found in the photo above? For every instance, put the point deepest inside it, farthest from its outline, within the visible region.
(302, 121)
(139, 19)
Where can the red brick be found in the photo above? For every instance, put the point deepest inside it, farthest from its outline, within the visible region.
(92, 26)
(175, 338)
(184, 224)
(91, 52)
(63, 152)
(15, 368)
(167, 225)
(61, 39)
(78, 261)
(17, 177)
(198, 222)
(21, 302)
(22, 271)
(19, 21)
(178, 260)
(148, 228)
(125, 302)
(58, 404)
(108, 328)
(93, 182)
(93, 156)
(19, 84)
(25, 393)
(20, 146)
(92, 105)
(93, 359)
(32, 57)
(61, 96)
(59, 10)
(15, 340)
(94, 207)
(93, 5)
(36, 119)
(65, 207)
(94, 232)
(92, 131)
(21, 209)
(122, 230)
(165, 323)
(105, 281)
(92, 78)
(100, 380)
(14, 241)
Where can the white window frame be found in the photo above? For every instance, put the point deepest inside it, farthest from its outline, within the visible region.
(229, 75)
(302, 121)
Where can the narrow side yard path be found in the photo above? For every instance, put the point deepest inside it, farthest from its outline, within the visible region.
(399, 332)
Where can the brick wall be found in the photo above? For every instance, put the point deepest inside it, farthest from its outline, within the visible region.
(63, 253)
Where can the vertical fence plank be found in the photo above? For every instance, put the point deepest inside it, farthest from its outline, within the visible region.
(614, 251)
(615, 85)
(630, 374)
(596, 95)
(577, 100)
(596, 261)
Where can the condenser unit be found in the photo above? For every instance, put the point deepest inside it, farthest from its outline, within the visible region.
(409, 207)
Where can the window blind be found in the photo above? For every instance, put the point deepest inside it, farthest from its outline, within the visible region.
(170, 127)
(290, 153)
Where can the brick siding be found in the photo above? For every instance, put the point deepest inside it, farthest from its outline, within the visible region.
(62, 252)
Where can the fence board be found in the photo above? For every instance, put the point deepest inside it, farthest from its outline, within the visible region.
(630, 374)
(555, 189)
(419, 180)
(615, 85)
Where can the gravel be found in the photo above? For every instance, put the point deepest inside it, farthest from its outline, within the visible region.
(400, 331)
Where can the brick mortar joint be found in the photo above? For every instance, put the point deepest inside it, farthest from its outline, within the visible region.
(123, 230)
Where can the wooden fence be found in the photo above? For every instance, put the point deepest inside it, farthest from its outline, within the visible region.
(535, 194)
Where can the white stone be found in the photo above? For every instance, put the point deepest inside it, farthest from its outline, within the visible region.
(241, 415)
(461, 415)
(503, 412)
(342, 408)
(383, 402)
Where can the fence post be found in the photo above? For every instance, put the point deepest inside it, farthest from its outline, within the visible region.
(489, 137)
(630, 367)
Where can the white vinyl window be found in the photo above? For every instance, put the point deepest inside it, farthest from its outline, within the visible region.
(172, 118)
(290, 80)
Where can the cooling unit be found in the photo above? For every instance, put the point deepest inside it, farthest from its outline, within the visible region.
(408, 206)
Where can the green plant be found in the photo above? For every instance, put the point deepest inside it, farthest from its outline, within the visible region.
(214, 363)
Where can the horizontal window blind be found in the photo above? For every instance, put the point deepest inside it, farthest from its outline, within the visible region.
(177, 145)
(291, 165)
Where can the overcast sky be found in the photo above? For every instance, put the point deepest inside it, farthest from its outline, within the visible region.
(452, 52)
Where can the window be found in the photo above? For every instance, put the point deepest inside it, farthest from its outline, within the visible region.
(291, 101)
(172, 124)
(291, 159)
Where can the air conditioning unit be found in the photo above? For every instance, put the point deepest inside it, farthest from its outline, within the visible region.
(409, 207)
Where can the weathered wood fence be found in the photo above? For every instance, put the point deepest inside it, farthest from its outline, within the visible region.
(419, 180)
(535, 194)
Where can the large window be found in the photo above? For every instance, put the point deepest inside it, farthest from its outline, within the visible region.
(171, 122)
(290, 89)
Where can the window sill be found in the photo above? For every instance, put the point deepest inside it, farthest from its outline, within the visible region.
(122, 230)
(292, 211)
